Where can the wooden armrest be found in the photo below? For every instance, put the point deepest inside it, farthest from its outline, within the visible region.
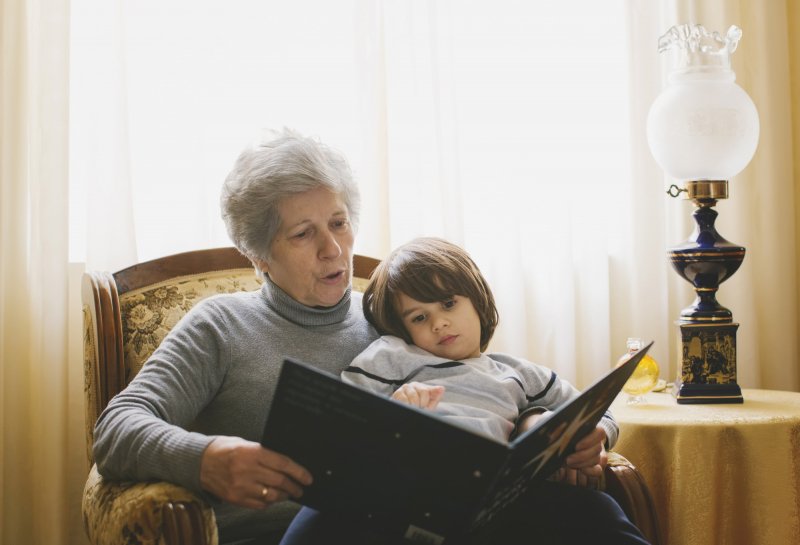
(625, 484)
(120, 513)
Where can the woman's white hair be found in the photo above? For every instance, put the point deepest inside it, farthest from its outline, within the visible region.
(270, 171)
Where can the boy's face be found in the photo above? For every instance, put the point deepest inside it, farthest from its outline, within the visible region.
(449, 329)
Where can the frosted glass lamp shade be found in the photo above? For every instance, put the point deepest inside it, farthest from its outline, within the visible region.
(703, 127)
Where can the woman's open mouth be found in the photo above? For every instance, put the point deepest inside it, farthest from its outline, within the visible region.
(334, 278)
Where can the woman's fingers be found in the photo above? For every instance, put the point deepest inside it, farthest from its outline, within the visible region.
(246, 474)
(281, 473)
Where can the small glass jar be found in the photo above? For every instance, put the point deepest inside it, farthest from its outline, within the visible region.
(644, 377)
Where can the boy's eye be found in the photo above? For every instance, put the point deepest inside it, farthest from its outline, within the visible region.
(419, 318)
(450, 303)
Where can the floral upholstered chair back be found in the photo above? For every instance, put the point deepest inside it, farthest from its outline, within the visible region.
(148, 314)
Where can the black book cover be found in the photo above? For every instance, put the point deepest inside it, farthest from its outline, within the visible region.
(409, 471)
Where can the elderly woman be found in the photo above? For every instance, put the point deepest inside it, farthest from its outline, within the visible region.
(195, 413)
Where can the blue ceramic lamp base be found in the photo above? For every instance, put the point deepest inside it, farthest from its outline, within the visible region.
(708, 333)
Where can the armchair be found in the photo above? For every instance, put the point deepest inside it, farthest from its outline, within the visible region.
(126, 315)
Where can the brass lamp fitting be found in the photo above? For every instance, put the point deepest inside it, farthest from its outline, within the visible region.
(702, 192)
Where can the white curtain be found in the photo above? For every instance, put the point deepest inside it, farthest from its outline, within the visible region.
(504, 129)
(507, 131)
(516, 130)
(41, 396)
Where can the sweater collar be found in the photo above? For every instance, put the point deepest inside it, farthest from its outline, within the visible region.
(294, 311)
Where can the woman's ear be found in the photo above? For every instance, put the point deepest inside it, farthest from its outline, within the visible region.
(261, 265)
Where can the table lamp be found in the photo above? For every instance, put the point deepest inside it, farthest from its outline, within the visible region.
(703, 130)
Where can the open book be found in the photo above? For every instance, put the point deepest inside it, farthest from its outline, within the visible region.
(409, 471)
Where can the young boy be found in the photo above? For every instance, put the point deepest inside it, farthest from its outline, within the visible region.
(437, 315)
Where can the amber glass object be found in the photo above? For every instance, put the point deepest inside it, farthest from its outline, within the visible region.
(644, 377)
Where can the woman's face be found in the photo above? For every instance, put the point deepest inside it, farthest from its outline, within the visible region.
(311, 257)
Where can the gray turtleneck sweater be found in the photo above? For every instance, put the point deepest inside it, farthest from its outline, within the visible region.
(214, 374)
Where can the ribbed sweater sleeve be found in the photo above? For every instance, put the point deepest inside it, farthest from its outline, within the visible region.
(143, 433)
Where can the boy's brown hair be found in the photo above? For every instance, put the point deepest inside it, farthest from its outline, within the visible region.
(429, 270)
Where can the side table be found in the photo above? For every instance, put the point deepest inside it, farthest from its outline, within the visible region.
(719, 474)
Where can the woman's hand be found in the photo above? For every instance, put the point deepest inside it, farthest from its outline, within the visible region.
(419, 395)
(585, 466)
(245, 473)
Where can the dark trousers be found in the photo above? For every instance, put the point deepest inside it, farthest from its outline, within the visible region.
(549, 514)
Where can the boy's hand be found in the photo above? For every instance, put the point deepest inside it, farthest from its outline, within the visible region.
(419, 395)
(527, 422)
(585, 465)
(590, 453)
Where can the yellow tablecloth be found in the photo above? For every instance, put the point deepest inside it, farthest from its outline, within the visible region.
(719, 474)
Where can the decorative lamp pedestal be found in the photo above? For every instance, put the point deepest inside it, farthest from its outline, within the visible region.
(708, 333)
(708, 366)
